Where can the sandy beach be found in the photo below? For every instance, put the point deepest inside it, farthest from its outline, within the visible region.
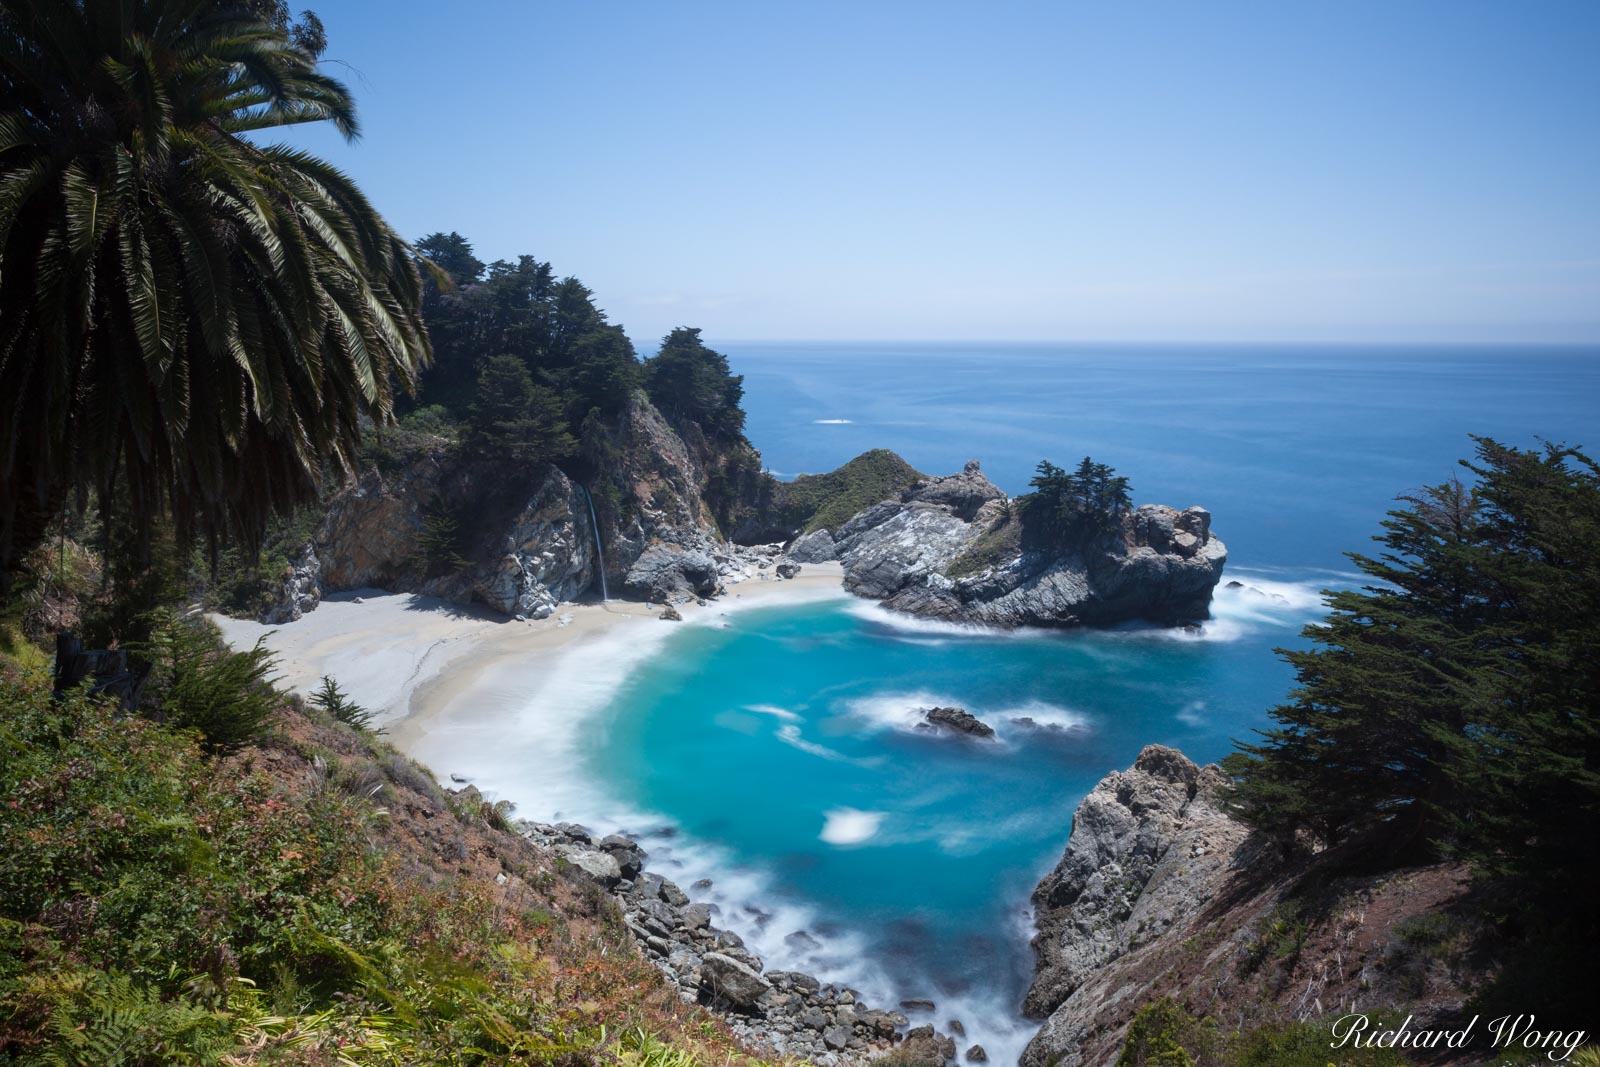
(410, 659)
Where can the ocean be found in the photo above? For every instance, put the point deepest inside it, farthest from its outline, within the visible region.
(771, 750)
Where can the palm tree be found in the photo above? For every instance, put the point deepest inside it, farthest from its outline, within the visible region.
(187, 317)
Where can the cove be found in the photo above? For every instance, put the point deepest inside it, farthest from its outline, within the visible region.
(778, 748)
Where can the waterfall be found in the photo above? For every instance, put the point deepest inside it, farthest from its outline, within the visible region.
(599, 546)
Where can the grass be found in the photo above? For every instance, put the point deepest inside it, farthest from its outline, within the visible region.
(828, 501)
(994, 547)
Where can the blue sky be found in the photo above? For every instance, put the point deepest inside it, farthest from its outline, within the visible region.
(1354, 171)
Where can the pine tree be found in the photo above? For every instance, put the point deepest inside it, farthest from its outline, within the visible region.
(1453, 702)
(515, 417)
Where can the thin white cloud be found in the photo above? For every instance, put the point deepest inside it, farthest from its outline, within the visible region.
(833, 422)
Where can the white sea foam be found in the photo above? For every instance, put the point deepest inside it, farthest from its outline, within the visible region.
(897, 711)
(1257, 603)
(848, 826)
(790, 735)
(916, 626)
(773, 710)
(1193, 713)
(1042, 716)
(904, 712)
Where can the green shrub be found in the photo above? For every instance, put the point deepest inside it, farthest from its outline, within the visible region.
(198, 683)
(1163, 1034)
(333, 700)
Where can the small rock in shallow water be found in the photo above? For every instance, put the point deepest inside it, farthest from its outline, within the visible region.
(703, 883)
(955, 1027)
(960, 720)
(802, 940)
(917, 1005)
(975, 1054)
(671, 615)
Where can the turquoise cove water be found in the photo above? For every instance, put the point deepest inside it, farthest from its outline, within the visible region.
(772, 750)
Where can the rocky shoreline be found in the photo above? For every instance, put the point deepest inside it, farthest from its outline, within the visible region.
(790, 1013)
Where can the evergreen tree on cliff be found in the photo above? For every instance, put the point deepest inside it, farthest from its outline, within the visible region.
(1454, 704)
(515, 418)
(1089, 500)
(190, 319)
(687, 380)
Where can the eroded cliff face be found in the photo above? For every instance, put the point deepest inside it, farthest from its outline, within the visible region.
(521, 540)
(1161, 893)
(955, 548)
(517, 541)
(664, 539)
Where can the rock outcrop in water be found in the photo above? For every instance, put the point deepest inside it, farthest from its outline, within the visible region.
(956, 548)
(1161, 893)
(958, 720)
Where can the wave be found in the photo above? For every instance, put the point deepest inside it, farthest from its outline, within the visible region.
(1256, 603)
(900, 624)
(790, 935)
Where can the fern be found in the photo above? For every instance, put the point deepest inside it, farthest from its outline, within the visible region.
(106, 1020)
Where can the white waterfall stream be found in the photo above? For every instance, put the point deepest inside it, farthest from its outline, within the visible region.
(599, 545)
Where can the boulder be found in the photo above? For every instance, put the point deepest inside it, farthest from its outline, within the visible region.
(732, 981)
(629, 856)
(958, 720)
(596, 864)
(787, 568)
(814, 547)
(668, 573)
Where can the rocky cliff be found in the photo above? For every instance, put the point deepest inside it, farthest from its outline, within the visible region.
(437, 519)
(957, 548)
(1162, 894)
